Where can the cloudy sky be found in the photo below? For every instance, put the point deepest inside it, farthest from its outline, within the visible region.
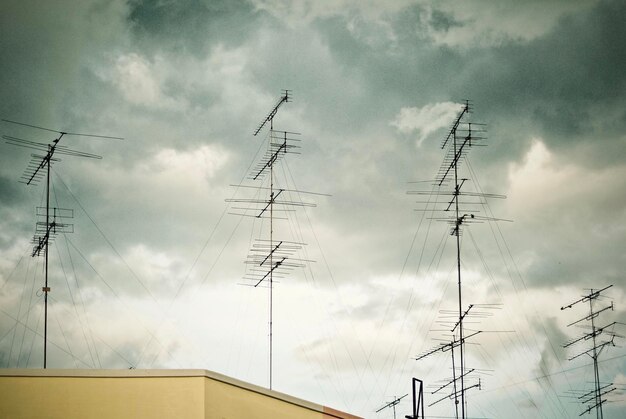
(151, 277)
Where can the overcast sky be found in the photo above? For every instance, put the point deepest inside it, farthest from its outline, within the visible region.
(151, 276)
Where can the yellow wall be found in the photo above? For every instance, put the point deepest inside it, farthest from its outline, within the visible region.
(136, 394)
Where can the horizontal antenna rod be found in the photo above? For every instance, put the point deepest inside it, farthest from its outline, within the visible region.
(62, 132)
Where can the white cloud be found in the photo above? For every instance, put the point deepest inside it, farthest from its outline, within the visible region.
(425, 120)
(138, 81)
(203, 162)
(566, 190)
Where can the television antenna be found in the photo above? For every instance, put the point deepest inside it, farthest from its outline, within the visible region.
(271, 258)
(37, 169)
(462, 136)
(595, 398)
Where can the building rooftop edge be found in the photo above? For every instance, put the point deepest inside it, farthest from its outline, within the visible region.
(169, 373)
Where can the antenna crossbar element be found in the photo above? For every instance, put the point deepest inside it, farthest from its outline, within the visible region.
(603, 392)
(455, 124)
(62, 132)
(592, 315)
(452, 381)
(270, 116)
(455, 395)
(446, 347)
(279, 146)
(261, 207)
(591, 296)
(459, 153)
(46, 230)
(393, 405)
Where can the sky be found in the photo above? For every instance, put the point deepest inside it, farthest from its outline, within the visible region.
(152, 275)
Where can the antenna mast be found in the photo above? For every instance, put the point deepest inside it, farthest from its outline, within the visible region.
(462, 136)
(594, 399)
(45, 232)
(270, 258)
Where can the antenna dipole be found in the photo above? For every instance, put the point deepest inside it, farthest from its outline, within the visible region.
(38, 168)
(270, 116)
(594, 399)
(392, 404)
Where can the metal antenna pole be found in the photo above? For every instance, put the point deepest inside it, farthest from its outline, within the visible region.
(458, 264)
(456, 399)
(595, 361)
(46, 289)
(271, 254)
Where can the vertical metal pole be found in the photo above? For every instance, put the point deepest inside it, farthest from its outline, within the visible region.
(421, 397)
(415, 402)
(271, 252)
(46, 289)
(598, 396)
(458, 259)
(456, 398)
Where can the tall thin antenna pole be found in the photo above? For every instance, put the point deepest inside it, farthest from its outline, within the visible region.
(458, 264)
(46, 288)
(271, 257)
(456, 398)
(596, 375)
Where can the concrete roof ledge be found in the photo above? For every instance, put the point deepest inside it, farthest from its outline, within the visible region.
(173, 373)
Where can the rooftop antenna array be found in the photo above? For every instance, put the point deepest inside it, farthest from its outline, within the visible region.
(595, 398)
(38, 168)
(270, 258)
(460, 208)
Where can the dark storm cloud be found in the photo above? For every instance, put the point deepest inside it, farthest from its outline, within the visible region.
(562, 81)
(11, 192)
(559, 83)
(45, 46)
(192, 26)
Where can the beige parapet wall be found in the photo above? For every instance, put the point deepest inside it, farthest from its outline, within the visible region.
(139, 394)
